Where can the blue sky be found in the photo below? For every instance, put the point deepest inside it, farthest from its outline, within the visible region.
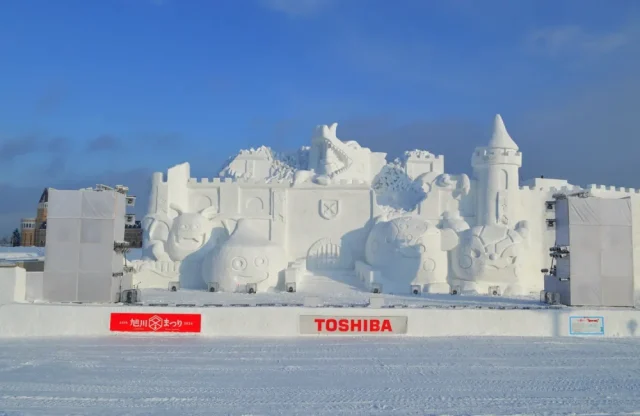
(112, 90)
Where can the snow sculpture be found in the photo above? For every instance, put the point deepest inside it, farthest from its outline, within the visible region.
(316, 208)
(246, 262)
(496, 169)
(185, 235)
(331, 159)
(411, 251)
(452, 220)
(491, 255)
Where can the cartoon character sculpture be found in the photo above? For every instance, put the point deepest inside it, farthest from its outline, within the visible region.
(246, 260)
(187, 234)
(411, 251)
(491, 255)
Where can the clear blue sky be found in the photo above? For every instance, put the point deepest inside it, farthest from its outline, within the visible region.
(111, 90)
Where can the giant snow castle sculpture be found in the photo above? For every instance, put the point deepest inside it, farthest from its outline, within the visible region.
(271, 222)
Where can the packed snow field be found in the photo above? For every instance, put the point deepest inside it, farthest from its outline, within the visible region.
(454, 376)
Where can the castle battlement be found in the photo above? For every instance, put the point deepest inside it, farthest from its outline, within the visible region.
(158, 179)
(565, 189)
(419, 162)
(550, 189)
(422, 156)
(221, 182)
(350, 182)
(608, 188)
(494, 153)
(488, 156)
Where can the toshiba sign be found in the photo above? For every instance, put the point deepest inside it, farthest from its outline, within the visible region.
(338, 325)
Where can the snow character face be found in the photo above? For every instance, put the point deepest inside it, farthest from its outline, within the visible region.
(246, 258)
(189, 232)
(490, 253)
(246, 266)
(410, 250)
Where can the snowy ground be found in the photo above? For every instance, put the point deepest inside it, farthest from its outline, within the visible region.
(11, 254)
(190, 376)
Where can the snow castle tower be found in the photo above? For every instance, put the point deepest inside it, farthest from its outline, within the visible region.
(496, 170)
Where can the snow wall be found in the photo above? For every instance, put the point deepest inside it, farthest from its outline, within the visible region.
(42, 320)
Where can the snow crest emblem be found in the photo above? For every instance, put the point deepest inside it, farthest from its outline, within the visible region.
(329, 208)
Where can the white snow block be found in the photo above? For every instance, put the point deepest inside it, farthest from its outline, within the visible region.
(598, 234)
(311, 302)
(376, 301)
(34, 286)
(13, 284)
(213, 287)
(174, 286)
(416, 289)
(83, 228)
(293, 275)
(369, 276)
(456, 290)
(440, 288)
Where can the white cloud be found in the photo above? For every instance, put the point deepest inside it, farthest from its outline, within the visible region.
(297, 8)
(572, 39)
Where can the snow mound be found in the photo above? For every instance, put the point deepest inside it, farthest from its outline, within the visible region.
(285, 165)
(260, 151)
(282, 165)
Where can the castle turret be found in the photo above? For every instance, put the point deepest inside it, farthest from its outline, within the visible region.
(496, 169)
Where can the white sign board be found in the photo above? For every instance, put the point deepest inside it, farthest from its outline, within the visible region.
(351, 325)
(586, 325)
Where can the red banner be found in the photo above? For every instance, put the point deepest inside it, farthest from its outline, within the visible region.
(155, 322)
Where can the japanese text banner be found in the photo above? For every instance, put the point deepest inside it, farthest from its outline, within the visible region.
(155, 322)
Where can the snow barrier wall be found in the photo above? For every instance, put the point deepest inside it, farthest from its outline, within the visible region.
(42, 320)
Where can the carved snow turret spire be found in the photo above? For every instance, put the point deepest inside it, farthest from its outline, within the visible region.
(496, 169)
(500, 138)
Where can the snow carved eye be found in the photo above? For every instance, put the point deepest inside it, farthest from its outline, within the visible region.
(238, 264)
(260, 261)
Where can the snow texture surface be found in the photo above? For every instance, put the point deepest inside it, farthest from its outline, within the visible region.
(395, 191)
(401, 376)
(283, 165)
(11, 254)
